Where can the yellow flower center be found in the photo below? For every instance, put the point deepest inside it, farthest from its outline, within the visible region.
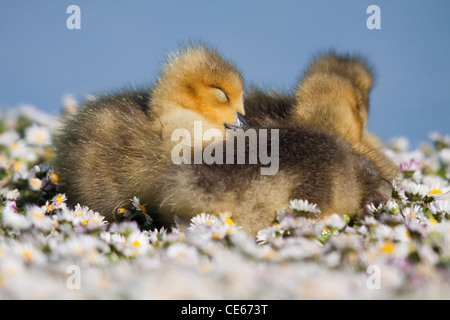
(136, 243)
(230, 231)
(388, 247)
(433, 221)
(14, 146)
(229, 221)
(36, 182)
(17, 166)
(40, 137)
(270, 254)
(144, 210)
(54, 177)
(205, 268)
(28, 255)
(434, 192)
(78, 250)
(38, 215)
(408, 234)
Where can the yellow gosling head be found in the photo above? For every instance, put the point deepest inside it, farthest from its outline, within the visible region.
(197, 84)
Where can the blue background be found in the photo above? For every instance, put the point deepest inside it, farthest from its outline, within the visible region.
(123, 43)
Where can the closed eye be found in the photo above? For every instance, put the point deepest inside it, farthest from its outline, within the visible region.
(221, 95)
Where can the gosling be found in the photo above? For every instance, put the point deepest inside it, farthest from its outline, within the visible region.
(118, 146)
(332, 96)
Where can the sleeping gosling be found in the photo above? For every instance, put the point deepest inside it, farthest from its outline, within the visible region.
(118, 146)
(333, 96)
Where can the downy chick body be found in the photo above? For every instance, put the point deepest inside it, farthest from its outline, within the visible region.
(313, 165)
(118, 146)
(333, 96)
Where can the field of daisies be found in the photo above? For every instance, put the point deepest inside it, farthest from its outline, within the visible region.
(398, 250)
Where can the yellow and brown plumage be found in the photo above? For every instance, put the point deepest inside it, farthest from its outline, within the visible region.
(119, 146)
(333, 95)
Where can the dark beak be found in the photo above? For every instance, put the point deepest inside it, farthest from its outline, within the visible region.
(240, 122)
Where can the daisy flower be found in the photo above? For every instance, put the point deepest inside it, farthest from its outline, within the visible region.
(302, 207)
(36, 215)
(137, 244)
(65, 215)
(35, 184)
(157, 237)
(413, 212)
(427, 255)
(11, 206)
(203, 220)
(12, 195)
(226, 217)
(392, 207)
(301, 249)
(266, 235)
(410, 165)
(400, 144)
(28, 253)
(288, 221)
(59, 201)
(124, 212)
(183, 253)
(21, 150)
(444, 155)
(48, 207)
(415, 191)
(88, 218)
(85, 246)
(11, 269)
(116, 239)
(439, 186)
(411, 169)
(440, 207)
(209, 226)
(124, 228)
(12, 219)
(54, 177)
(70, 104)
(388, 247)
(370, 207)
(398, 193)
(37, 135)
(416, 230)
(20, 170)
(137, 205)
(335, 222)
(94, 220)
(9, 137)
(440, 141)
